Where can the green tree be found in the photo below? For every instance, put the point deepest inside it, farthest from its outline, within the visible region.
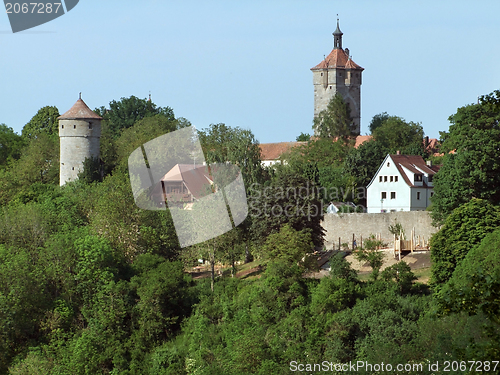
(361, 164)
(11, 145)
(473, 171)
(462, 230)
(377, 121)
(335, 120)
(92, 170)
(303, 137)
(401, 274)
(397, 134)
(289, 245)
(290, 198)
(463, 292)
(44, 122)
(369, 253)
(222, 144)
(126, 112)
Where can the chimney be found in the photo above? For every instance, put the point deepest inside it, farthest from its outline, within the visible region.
(426, 141)
(397, 152)
(429, 163)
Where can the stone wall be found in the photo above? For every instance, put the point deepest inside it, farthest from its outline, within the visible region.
(363, 224)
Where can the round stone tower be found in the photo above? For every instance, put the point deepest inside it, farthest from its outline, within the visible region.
(79, 135)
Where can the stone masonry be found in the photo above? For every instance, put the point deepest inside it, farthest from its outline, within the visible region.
(363, 224)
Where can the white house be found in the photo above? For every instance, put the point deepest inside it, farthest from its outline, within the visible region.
(402, 183)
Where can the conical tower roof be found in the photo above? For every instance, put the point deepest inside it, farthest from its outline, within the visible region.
(80, 110)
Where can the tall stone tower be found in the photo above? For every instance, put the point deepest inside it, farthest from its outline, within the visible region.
(338, 73)
(79, 135)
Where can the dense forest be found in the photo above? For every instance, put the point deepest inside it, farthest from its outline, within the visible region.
(91, 284)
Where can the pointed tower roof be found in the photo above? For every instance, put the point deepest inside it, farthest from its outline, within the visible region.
(337, 30)
(80, 110)
(352, 65)
(338, 58)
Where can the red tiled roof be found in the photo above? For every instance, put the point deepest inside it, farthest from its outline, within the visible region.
(411, 162)
(360, 139)
(337, 59)
(273, 151)
(79, 111)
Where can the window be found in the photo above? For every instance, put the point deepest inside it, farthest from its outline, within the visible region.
(393, 195)
(388, 164)
(395, 178)
(330, 87)
(74, 126)
(385, 178)
(392, 178)
(62, 126)
(393, 210)
(418, 195)
(90, 125)
(321, 74)
(383, 195)
(432, 193)
(417, 177)
(430, 178)
(379, 178)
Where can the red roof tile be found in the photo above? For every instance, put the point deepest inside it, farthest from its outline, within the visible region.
(360, 139)
(337, 59)
(79, 111)
(273, 151)
(411, 162)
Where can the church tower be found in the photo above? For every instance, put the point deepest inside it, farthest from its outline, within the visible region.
(79, 135)
(338, 73)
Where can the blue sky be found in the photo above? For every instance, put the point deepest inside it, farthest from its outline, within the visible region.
(247, 63)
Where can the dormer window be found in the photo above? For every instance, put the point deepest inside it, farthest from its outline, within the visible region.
(417, 177)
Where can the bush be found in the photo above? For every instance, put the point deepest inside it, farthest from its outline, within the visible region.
(462, 230)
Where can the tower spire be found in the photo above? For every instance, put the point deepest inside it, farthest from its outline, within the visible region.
(337, 36)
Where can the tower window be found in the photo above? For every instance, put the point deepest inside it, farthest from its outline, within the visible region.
(418, 195)
(330, 87)
(385, 178)
(72, 168)
(90, 125)
(395, 178)
(321, 74)
(62, 126)
(392, 178)
(74, 126)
